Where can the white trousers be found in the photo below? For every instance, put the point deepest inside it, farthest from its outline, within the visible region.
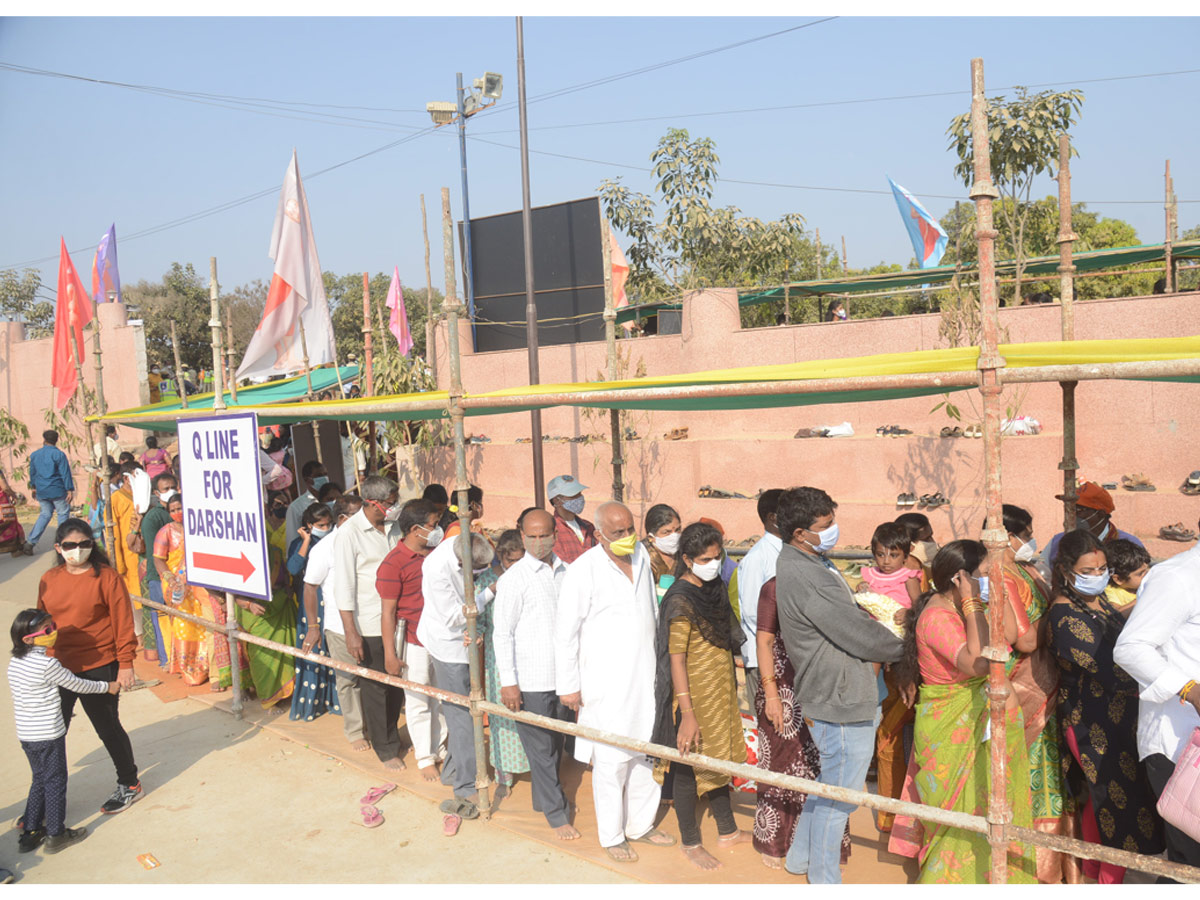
(423, 715)
(626, 797)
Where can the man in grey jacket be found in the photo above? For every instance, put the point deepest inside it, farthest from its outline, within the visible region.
(832, 644)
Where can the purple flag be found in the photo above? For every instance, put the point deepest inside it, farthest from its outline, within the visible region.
(105, 277)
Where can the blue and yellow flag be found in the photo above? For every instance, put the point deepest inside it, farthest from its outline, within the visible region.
(928, 239)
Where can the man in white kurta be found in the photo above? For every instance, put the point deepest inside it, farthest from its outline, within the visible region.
(604, 669)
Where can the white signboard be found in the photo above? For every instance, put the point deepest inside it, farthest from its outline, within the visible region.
(225, 543)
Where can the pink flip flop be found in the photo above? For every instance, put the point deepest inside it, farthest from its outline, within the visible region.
(371, 817)
(375, 794)
(450, 825)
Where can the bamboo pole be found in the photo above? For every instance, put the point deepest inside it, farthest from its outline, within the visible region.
(231, 634)
(464, 549)
(430, 350)
(1151, 864)
(77, 353)
(304, 350)
(230, 356)
(181, 390)
(1066, 289)
(102, 406)
(1167, 255)
(995, 538)
(214, 321)
(610, 340)
(369, 377)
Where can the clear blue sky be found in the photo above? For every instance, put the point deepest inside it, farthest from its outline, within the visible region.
(78, 156)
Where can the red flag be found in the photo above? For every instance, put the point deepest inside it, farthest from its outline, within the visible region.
(73, 311)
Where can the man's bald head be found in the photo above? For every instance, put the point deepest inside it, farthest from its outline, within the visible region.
(615, 520)
(537, 523)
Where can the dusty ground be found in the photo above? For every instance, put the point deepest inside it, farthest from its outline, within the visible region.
(289, 791)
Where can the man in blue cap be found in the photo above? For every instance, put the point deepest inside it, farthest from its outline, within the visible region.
(572, 533)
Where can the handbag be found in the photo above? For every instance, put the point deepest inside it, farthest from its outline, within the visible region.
(1180, 801)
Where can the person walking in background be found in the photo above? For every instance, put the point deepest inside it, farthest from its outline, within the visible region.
(88, 602)
(35, 680)
(51, 484)
(573, 534)
(1160, 647)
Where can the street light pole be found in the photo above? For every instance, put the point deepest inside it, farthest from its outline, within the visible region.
(468, 277)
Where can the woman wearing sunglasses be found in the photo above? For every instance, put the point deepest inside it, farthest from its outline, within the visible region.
(90, 604)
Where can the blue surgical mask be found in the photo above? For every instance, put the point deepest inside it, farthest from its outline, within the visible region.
(1104, 533)
(1091, 585)
(319, 482)
(828, 539)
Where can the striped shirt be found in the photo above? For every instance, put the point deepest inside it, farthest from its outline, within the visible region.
(35, 679)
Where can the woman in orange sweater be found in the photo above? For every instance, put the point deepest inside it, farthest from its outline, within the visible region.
(91, 606)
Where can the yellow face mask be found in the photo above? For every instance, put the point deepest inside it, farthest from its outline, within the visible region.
(46, 640)
(624, 546)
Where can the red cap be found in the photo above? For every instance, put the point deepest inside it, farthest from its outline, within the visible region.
(715, 524)
(1092, 496)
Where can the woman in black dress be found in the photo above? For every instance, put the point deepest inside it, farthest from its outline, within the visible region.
(1097, 707)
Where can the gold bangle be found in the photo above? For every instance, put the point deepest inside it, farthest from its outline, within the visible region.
(684, 694)
(1185, 690)
(689, 709)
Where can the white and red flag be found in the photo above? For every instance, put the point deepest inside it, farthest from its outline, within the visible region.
(297, 293)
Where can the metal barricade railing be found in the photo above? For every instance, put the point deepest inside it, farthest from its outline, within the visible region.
(1082, 849)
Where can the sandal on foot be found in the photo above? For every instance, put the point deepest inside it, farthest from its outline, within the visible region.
(664, 839)
(450, 825)
(630, 855)
(375, 794)
(371, 817)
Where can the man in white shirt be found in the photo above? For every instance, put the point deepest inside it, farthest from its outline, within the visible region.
(315, 478)
(604, 670)
(319, 574)
(1160, 647)
(756, 569)
(359, 546)
(442, 631)
(523, 637)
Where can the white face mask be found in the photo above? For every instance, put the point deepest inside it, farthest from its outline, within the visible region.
(708, 571)
(320, 532)
(1027, 551)
(668, 543)
(78, 556)
(393, 513)
(827, 539)
(435, 537)
(165, 496)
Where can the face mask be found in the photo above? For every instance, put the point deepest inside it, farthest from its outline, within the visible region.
(1107, 528)
(278, 512)
(1091, 585)
(320, 532)
(78, 556)
(669, 543)
(538, 548)
(319, 482)
(708, 571)
(330, 504)
(931, 550)
(177, 517)
(841, 314)
(46, 640)
(164, 496)
(1027, 551)
(828, 539)
(624, 546)
(435, 537)
(574, 505)
(393, 514)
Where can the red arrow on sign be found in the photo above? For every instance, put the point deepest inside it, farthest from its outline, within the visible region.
(228, 564)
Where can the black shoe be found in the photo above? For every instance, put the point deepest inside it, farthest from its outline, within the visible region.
(30, 840)
(6, 876)
(122, 798)
(56, 842)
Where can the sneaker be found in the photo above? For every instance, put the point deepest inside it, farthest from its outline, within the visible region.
(56, 842)
(6, 876)
(122, 798)
(30, 840)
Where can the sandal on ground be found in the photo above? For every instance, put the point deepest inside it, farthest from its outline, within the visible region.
(704, 491)
(1136, 482)
(926, 501)
(1176, 532)
(371, 817)
(656, 838)
(938, 499)
(676, 434)
(952, 432)
(630, 853)
(375, 794)
(1191, 484)
(456, 806)
(450, 825)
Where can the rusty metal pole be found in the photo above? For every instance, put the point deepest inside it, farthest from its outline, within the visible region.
(995, 538)
(181, 390)
(430, 355)
(531, 315)
(610, 341)
(369, 378)
(214, 322)
(1167, 257)
(1066, 290)
(231, 632)
(453, 308)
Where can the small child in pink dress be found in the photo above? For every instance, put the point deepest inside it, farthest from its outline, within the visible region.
(890, 576)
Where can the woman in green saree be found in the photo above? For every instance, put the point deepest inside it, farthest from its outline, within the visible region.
(946, 634)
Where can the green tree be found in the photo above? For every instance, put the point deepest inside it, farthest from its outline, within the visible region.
(344, 293)
(1023, 143)
(182, 298)
(19, 300)
(695, 245)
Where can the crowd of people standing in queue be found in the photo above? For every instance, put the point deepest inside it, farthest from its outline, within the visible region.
(635, 631)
